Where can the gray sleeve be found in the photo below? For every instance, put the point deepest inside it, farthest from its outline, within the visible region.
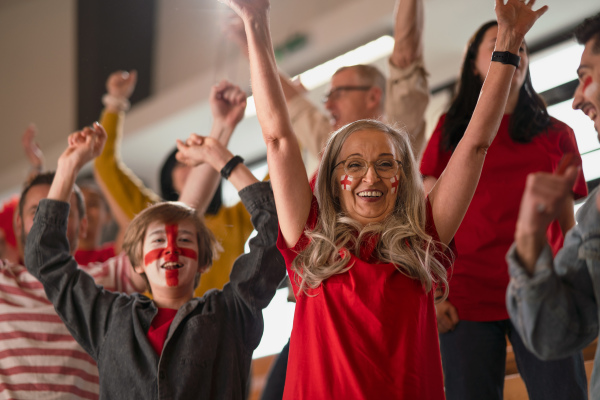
(555, 309)
(257, 274)
(83, 306)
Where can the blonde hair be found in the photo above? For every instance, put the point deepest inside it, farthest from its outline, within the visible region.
(169, 212)
(403, 240)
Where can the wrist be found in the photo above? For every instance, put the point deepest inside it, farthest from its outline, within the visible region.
(508, 41)
(228, 167)
(115, 103)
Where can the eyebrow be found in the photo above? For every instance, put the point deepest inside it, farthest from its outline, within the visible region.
(582, 66)
(381, 154)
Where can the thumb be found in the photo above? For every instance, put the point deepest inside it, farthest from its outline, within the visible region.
(571, 175)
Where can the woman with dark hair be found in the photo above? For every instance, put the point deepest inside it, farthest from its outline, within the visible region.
(366, 252)
(473, 322)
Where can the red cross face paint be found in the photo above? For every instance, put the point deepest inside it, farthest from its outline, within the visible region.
(395, 182)
(170, 253)
(346, 182)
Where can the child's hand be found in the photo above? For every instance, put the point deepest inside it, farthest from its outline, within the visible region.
(84, 146)
(200, 149)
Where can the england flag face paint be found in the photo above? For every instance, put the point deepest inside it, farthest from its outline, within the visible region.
(170, 253)
(346, 182)
(395, 182)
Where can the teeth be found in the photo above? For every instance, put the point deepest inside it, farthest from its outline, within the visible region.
(172, 265)
(371, 194)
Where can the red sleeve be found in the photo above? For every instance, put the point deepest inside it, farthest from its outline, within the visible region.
(289, 254)
(568, 144)
(449, 253)
(435, 158)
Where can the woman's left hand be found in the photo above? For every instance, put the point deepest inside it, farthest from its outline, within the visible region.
(517, 16)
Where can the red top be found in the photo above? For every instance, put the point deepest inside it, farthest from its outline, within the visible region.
(7, 213)
(101, 254)
(368, 333)
(480, 274)
(157, 334)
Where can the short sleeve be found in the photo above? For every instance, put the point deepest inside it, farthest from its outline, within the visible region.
(435, 158)
(290, 254)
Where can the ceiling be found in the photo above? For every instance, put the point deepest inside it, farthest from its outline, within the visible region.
(37, 73)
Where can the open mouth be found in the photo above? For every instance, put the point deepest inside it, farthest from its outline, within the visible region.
(370, 194)
(171, 266)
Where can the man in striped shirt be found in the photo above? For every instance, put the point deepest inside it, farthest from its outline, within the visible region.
(39, 359)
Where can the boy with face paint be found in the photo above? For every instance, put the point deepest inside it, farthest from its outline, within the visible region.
(553, 301)
(174, 346)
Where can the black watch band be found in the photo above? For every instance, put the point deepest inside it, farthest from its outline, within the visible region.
(231, 164)
(506, 57)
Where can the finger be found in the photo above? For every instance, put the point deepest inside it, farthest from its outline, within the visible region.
(530, 3)
(133, 74)
(197, 139)
(541, 11)
(564, 163)
(571, 175)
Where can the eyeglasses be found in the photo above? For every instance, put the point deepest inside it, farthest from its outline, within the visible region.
(358, 167)
(335, 93)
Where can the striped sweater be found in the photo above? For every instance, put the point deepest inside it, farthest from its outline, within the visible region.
(38, 357)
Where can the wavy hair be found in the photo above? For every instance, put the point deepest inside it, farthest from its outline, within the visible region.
(402, 237)
(529, 119)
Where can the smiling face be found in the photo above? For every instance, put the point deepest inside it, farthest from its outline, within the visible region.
(170, 258)
(369, 198)
(587, 95)
(484, 55)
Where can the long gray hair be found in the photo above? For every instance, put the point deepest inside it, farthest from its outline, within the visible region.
(403, 240)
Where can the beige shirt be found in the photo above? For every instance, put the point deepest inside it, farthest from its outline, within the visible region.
(407, 96)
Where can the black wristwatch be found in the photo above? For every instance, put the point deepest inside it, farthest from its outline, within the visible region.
(506, 57)
(231, 164)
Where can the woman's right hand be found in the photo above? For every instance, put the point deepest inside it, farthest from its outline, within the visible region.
(447, 316)
(515, 19)
(200, 149)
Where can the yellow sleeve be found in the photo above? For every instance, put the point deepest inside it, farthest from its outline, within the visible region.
(126, 189)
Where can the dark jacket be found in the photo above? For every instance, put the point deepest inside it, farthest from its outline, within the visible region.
(209, 346)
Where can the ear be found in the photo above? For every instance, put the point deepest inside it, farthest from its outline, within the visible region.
(83, 224)
(138, 269)
(374, 97)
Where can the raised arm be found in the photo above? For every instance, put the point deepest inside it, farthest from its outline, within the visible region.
(227, 103)
(454, 190)
(290, 183)
(124, 192)
(82, 305)
(408, 32)
(310, 124)
(32, 151)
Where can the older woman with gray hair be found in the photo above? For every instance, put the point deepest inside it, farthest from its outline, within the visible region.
(368, 250)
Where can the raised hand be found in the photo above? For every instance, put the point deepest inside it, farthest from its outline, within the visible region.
(83, 146)
(121, 84)
(227, 104)
(233, 29)
(201, 149)
(247, 9)
(517, 17)
(32, 149)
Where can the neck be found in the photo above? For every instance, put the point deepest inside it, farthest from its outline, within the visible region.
(165, 300)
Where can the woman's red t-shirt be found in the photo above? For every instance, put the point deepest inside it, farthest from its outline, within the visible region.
(368, 333)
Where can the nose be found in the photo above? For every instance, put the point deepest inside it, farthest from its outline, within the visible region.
(578, 99)
(371, 174)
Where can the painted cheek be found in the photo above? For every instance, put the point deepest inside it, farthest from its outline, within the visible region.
(586, 83)
(395, 182)
(589, 89)
(346, 182)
